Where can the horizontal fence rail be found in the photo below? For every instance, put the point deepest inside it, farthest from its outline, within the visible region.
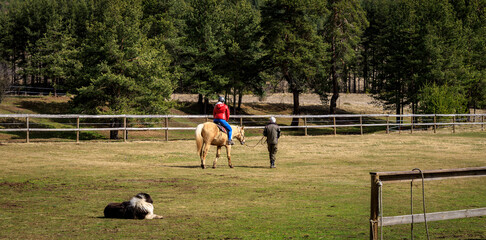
(82, 123)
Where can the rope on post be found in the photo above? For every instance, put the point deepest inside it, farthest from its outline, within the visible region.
(380, 210)
(423, 202)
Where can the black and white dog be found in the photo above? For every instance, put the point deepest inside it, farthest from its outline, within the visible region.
(139, 207)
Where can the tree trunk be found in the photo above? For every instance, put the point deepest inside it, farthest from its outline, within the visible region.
(240, 98)
(296, 111)
(335, 89)
(114, 124)
(200, 103)
(365, 70)
(234, 101)
(398, 106)
(206, 104)
(334, 77)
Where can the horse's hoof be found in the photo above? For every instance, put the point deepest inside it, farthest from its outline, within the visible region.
(203, 167)
(214, 167)
(231, 166)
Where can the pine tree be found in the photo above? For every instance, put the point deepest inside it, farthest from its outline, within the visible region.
(295, 49)
(242, 49)
(55, 57)
(203, 47)
(344, 27)
(123, 71)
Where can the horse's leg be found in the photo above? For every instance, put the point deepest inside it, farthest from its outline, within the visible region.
(228, 153)
(201, 154)
(218, 153)
(205, 153)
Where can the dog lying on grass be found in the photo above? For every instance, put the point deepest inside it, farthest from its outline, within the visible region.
(139, 207)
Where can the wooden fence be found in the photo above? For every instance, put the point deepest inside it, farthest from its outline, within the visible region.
(408, 122)
(378, 178)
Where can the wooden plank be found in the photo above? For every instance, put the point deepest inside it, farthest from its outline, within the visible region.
(430, 174)
(334, 119)
(27, 136)
(77, 132)
(374, 210)
(387, 124)
(167, 130)
(305, 124)
(361, 124)
(435, 216)
(125, 135)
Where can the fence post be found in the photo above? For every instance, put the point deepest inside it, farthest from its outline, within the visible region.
(411, 128)
(334, 117)
(454, 124)
(400, 124)
(361, 123)
(241, 122)
(125, 129)
(435, 123)
(387, 124)
(166, 128)
(374, 207)
(77, 129)
(28, 131)
(305, 124)
(482, 125)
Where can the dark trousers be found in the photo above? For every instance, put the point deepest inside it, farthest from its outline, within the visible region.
(272, 150)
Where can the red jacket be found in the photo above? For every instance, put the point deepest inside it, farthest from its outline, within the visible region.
(221, 111)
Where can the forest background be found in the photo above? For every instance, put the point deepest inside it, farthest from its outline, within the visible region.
(129, 56)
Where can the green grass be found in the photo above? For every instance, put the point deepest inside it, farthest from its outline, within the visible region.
(320, 189)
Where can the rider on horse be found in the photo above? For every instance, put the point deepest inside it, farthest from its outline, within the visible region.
(221, 115)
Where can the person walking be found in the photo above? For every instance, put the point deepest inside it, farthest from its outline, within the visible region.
(221, 114)
(272, 132)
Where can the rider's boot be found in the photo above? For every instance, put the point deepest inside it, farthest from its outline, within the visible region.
(230, 142)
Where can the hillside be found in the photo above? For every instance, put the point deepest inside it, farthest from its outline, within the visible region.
(280, 103)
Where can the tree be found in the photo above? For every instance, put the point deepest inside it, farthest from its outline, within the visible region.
(435, 99)
(55, 56)
(203, 47)
(242, 49)
(123, 71)
(471, 13)
(294, 48)
(4, 51)
(415, 44)
(164, 21)
(344, 28)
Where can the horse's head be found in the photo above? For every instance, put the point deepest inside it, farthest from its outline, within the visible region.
(240, 135)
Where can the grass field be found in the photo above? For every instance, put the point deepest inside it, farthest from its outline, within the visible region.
(319, 190)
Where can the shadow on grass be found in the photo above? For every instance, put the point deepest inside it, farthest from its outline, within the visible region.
(243, 166)
(195, 166)
(56, 135)
(46, 107)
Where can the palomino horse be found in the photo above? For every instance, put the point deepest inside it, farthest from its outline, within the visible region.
(208, 134)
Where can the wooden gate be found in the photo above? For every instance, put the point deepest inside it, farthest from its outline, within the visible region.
(378, 178)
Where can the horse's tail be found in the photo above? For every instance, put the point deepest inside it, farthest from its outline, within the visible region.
(199, 138)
